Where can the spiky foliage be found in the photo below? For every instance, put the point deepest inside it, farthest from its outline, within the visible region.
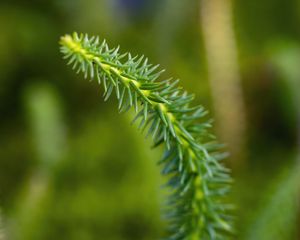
(198, 181)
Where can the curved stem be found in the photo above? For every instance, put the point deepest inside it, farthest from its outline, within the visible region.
(197, 179)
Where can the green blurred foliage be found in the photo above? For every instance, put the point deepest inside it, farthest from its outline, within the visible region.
(277, 218)
(72, 168)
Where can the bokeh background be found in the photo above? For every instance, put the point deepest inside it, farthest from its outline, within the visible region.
(71, 167)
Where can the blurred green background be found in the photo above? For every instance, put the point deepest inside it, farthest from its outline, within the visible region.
(71, 167)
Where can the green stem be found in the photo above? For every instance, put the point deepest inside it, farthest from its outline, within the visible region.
(197, 178)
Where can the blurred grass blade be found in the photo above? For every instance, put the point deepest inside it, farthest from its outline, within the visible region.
(45, 120)
(2, 231)
(223, 69)
(278, 216)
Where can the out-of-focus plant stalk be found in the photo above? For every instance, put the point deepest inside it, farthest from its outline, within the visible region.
(223, 69)
(45, 119)
(278, 215)
(277, 218)
(2, 234)
(298, 115)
